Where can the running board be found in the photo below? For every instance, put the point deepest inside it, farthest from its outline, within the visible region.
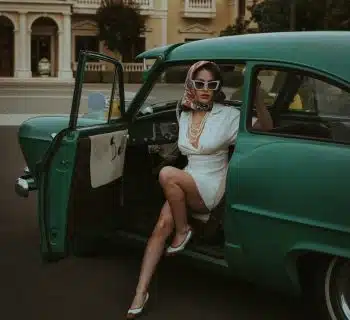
(193, 251)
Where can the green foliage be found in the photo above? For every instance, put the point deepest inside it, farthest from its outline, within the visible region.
(241, 25)
(276, 15)
(120, 24)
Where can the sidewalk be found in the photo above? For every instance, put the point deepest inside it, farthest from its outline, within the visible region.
(24, 82)
(55, 83)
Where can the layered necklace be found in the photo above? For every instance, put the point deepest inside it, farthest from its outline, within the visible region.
(195, 130)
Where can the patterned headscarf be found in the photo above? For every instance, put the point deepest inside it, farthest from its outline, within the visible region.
(189, 98)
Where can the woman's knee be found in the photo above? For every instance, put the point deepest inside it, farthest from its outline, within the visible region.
(167, 175)
(170, 181)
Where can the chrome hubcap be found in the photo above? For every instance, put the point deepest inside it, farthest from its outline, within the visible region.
(342, 288)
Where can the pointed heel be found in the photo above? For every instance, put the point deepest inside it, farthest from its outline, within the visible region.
(136, 312)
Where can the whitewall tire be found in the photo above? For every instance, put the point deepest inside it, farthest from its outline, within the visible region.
(337, 289)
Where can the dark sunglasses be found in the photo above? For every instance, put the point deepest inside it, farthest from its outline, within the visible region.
(206, 85)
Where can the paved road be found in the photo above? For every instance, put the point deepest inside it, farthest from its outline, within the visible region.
(48, 99)
(102, 288)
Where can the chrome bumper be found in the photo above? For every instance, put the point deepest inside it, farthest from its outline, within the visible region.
(25, 184)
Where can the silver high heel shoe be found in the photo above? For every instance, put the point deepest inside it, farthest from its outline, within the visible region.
(173, 250)
(135, 312)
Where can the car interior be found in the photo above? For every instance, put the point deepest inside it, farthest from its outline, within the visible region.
(152, 145)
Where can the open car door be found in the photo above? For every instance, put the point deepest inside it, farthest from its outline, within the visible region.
(79, 177)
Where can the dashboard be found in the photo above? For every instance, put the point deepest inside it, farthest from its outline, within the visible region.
(154, 132)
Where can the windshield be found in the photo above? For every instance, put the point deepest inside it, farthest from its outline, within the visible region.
(169, 87)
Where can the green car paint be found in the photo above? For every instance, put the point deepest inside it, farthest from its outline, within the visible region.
(158, 52)
(36, 135)
(286, 203)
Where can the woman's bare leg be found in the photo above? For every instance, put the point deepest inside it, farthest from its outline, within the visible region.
(179, 189)
(153, 252)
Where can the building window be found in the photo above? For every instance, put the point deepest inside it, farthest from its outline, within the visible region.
(85, 43)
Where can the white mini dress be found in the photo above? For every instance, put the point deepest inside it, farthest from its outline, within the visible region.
(208, 163)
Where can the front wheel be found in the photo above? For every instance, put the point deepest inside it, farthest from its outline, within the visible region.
(332, 289)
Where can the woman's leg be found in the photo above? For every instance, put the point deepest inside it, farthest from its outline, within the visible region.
(153, 252)
(179, 189)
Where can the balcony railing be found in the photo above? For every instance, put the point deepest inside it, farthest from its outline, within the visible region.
(199, 9)
(85, 6)
(127, 67)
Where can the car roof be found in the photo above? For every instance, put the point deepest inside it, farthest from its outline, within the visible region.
(327, 51)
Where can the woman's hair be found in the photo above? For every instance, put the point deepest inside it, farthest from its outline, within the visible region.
(219, 95)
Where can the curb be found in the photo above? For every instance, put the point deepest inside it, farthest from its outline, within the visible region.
(35, 82)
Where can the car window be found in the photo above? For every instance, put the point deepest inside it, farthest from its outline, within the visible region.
(271, 82)
(323, 98)
(97, 98)
(307, 106)
(169, 87)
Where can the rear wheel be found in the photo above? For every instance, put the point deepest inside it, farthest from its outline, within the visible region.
(337, 289)
(329, 288)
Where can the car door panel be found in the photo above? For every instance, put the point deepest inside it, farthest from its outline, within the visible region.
(262, 175)
(107, 157)
(80, 174)
(91, 205)
(55, 170)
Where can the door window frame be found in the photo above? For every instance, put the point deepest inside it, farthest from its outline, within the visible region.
(252, 70)
(155, 73)
(84, 57)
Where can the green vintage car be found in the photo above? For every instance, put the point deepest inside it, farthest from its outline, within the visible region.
(285, 219)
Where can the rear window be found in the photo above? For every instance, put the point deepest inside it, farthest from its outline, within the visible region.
(305, 105)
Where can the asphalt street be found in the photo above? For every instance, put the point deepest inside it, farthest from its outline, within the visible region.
(102, 288)
(49, 99)
(58, 100)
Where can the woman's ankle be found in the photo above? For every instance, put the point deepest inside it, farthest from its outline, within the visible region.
(184, 230)
(142, 292)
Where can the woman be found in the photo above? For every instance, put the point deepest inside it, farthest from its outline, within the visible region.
(206, 130)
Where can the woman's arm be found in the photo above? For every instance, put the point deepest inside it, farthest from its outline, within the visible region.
(264, 121)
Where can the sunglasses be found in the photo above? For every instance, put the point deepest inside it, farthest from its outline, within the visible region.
(206, 85)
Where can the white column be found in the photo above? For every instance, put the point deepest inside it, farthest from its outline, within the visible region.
(28, 60)
(60, 53)
(165, 22)
(16, 54)
(65, 49)
(164, 34)
(22, 48)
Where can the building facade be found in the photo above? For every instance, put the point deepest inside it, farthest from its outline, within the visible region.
(58, 29)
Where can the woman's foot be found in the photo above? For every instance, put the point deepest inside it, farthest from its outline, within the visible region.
(180, 241)
(137, 305)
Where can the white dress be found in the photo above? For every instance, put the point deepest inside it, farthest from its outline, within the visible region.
(208, 163)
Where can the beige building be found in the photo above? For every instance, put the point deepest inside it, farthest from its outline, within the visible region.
(58, 29)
